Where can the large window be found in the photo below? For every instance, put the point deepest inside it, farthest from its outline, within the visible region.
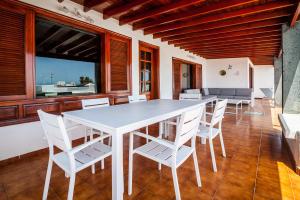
(56, 77)
(67, 60)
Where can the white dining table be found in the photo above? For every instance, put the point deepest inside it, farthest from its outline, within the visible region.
(121, 119)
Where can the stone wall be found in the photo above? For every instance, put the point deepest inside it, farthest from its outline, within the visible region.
(278, 81)
(291, 68)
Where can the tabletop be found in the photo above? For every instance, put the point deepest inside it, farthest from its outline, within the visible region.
(128, 117)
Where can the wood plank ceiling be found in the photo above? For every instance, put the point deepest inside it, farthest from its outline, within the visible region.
(208, 28)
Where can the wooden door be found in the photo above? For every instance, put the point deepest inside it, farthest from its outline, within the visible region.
(176, 79)
(148, 72)
(196, 76)
(250, 77)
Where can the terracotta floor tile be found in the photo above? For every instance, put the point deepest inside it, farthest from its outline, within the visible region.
(238, 174)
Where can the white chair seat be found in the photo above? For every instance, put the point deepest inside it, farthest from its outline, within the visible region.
(163, 154)
(204, 132)
(85, 157)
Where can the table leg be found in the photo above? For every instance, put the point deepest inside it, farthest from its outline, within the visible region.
(117, 167)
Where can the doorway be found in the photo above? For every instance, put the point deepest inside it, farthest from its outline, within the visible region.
(251, 77)
(186, 75)
(149, 70)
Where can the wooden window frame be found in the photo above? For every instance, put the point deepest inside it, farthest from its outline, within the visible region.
(21, 109)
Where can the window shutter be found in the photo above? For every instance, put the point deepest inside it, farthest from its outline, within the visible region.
(12, 53)
(119, 65)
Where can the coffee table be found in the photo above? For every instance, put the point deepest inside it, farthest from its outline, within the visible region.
(236, 102)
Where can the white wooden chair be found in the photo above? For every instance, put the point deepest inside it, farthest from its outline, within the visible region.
(171, 154)
(182, 96)
(210, 131)
(139, 98)
(192, 91)
(95, 103)
(190, 96)
(71, 160)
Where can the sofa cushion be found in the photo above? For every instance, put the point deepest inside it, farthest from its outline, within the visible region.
(225, 97)
(243, 92)
(214, 91)
(205, 91)
(242, 97)
(227, 92)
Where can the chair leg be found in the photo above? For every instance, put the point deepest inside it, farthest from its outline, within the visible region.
(93, 166)
(212, 152)
(109, 141)
(71, 186)
(102, 161)
(197, 168)
(147, 132)
(86, 134)
(130, 164)
(175, 181)
(222, 144)
(47, 181)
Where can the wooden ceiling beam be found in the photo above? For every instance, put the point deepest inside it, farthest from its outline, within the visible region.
(203, 10)
(232, 54)
(267, 44)
(52, 32)
(121, 8)
(240, 50)
(235, 41)
(226, 23)
(219, 17)
(82, 49)
(225, 35)
(75, 44)
(238, 38)
(89, 4)
(63, 39)
(263, 41)
(232, 29)
(174, 5)
(296, 15)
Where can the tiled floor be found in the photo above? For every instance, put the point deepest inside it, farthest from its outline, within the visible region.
(256, 167)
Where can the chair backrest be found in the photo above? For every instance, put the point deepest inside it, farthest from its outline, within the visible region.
(189, 96)
(137, 98)
(192, 91)
(219, 111)
(188, 125)
(55, 130)
(94, 103)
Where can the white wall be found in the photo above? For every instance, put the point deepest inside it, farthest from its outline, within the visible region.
(19, 139)
(263, 78)
(237, 77)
